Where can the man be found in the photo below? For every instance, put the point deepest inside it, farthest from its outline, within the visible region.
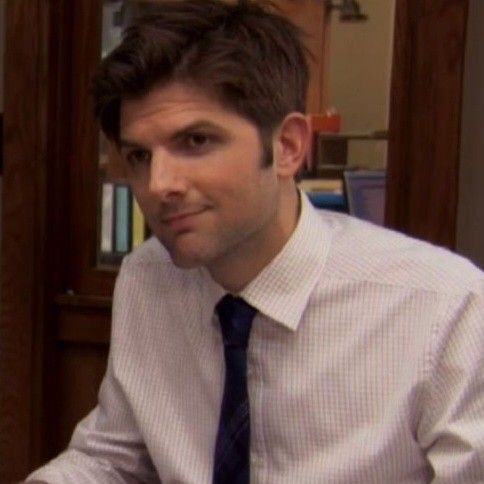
(364, 360)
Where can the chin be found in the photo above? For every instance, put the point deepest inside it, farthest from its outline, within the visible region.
(189, 252)
(187, 260)
(186, 263)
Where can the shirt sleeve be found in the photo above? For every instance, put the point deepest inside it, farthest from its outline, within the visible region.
(106, 445)
(452, 425)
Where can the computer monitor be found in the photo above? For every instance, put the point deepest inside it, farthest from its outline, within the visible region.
(365, 194)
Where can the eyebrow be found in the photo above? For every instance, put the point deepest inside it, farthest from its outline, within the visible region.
(180, 133)
(125, 143)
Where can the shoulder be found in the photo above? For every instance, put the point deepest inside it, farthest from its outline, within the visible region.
(150, 267)
(361, 251)
(148, 253)
(151, 292)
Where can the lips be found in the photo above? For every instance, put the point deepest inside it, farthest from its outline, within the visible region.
(182, 219)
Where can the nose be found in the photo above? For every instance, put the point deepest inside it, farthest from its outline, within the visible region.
(167, 180)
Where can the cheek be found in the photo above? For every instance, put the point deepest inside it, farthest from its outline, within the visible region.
(251, 197)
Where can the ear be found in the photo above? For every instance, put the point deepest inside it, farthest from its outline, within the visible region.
(291, 141)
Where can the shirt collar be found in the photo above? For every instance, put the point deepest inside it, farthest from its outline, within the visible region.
(282, 289)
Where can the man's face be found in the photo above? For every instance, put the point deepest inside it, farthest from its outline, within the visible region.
(196, 171)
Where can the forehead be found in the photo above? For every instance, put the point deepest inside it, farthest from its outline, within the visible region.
(175, 102)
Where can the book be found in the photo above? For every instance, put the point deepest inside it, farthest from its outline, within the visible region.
(321, 185)
(122, 219)
(106, 235)
(138, 225)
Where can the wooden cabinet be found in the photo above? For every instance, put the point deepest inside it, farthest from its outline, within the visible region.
(55, 309)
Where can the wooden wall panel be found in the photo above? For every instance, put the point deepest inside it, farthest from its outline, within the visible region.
(425, 111)
(78, 373)
(35, 217)
(76, 367)
(22, 238)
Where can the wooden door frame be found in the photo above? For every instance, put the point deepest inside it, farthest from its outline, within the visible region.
(33, 223)
(425, 119)
(23, 234)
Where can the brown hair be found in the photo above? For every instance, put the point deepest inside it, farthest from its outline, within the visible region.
(251, 58)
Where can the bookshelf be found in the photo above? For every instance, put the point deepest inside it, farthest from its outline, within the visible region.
(330, 151)
(120, 223)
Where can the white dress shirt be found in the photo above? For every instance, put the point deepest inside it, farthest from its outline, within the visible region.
(365, 365)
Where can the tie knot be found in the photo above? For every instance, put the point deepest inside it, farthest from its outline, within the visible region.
(235, 317)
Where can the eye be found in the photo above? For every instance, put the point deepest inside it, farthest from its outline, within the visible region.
(195, 143)
(138, 156)
(197, 140)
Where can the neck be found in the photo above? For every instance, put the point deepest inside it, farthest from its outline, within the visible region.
(236, 271)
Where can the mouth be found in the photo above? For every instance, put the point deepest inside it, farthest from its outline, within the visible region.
(182, 219)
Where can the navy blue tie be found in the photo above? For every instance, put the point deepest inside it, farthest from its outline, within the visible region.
(233, 438)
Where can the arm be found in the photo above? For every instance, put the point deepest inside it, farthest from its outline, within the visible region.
(452, 425)
(106, 446)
